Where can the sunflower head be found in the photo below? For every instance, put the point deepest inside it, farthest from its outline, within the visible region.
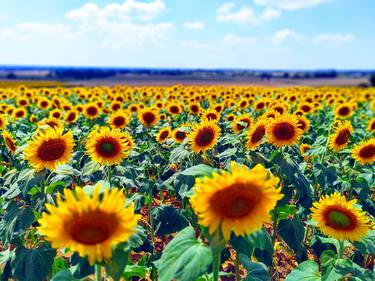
(49, 148)
(148, 117)
(163, 135)
(303, 123)
(364, 152)
(238, 201)
(256, 134)
(341, 136)
(194, 108)
(9, 141)
(91, 110)
(179, 135)
(242, 122)
(108, 147)
(211, 114)
(19, 113)
(119, 119)
(339, 218)
(71, 116)
(370, 125)
(283, 130)
(204, 136)
(344, 110)
(89, 225)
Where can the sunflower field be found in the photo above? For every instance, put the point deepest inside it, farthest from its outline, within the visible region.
(187, 183)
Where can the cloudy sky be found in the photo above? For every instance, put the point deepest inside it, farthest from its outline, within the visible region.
(262, 34)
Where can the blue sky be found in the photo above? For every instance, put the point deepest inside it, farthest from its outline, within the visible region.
(257, 34)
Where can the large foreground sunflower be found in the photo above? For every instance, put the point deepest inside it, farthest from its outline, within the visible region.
(108, 147)
(341, 136)
(88, 225)
(364, 152)
(240, 200)
(339, 218)
(204, 136)
(284, 130)
(49, 149)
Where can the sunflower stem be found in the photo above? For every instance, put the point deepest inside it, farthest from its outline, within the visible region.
(340, 250)
(98, 272)
(109, 176)
(216, 266)
(237, 267)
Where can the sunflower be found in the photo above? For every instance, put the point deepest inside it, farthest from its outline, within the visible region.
(230, 117)
(306, 107)
(259, 105)
(283, 130)
(204, 136)
(10, 143)
(148, 117)
(303, 123)
(256, 134)
(242, 122)
(51, 122)
(179, 135)
(3, 122)
(71, 116)
(194, 108)
(211, 114)
(240, 200)
(19, 113)
(163, 135)
(344, 110)
(174, 108)
(303, 148)
(107, 147)
(364, 152)
(370, 125)
(44, 103)
(339, 218)
(89, 225)
(340, 138)
(49, 149)
(118, 119)
(91, 111)
(56, 113)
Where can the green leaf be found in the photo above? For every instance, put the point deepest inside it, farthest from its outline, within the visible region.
(198, 171)
(241, 244)
(17, 220)
(168, 220)
(33, 265)
(81, 267)
(115, 268)
(135, 271)
(292, 231)
(185, 258)
(255, 271)
(306, 271)
(59, 264)
(64, 275)
(367, 245)
(263, 248)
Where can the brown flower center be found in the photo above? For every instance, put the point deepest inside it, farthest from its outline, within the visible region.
(174, 109)
(148, 117)
(51, 150)
(92, 228)
(107, 147)
(343, 137)
(92, 111)
(211, 116)
(283, 131)
(10, 144)
(343, 111)
(367, 151)
(205, 137)
(258, 134)
(119, 121)
(235, 201)
(340, 219)
(164, 135)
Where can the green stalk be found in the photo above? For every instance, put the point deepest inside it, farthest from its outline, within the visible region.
(98, 272)
(237, 267)
(216, 266)
(340, 250)
(109, 175)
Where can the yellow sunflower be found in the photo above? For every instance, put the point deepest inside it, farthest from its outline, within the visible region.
(364, 152)
(89, 225)
(339, 218)
(240, 200)
(148, 117)
(303, 148)
(344, 110)
(118, 119)
(283, 130)
(179, 135)
(51, 122)
(303, 123)
(56, 113)
(211, 114)
(163, 135)
(256, 134)
(3, 122)
(174, 108)
(108, 147)
(9, 141)
(194, 108)
(242, 122)
(204, 136)
(49, 149)
(370, 125)
(71, 116)
(19, 113)
(341, 137)
(91, 111)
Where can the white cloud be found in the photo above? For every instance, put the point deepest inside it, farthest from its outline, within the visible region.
(285, 34)
(290, 4)
(333, 38)
(233, 39)
(196, 25)
(245, 14)
(128, 10)
(194, 45)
